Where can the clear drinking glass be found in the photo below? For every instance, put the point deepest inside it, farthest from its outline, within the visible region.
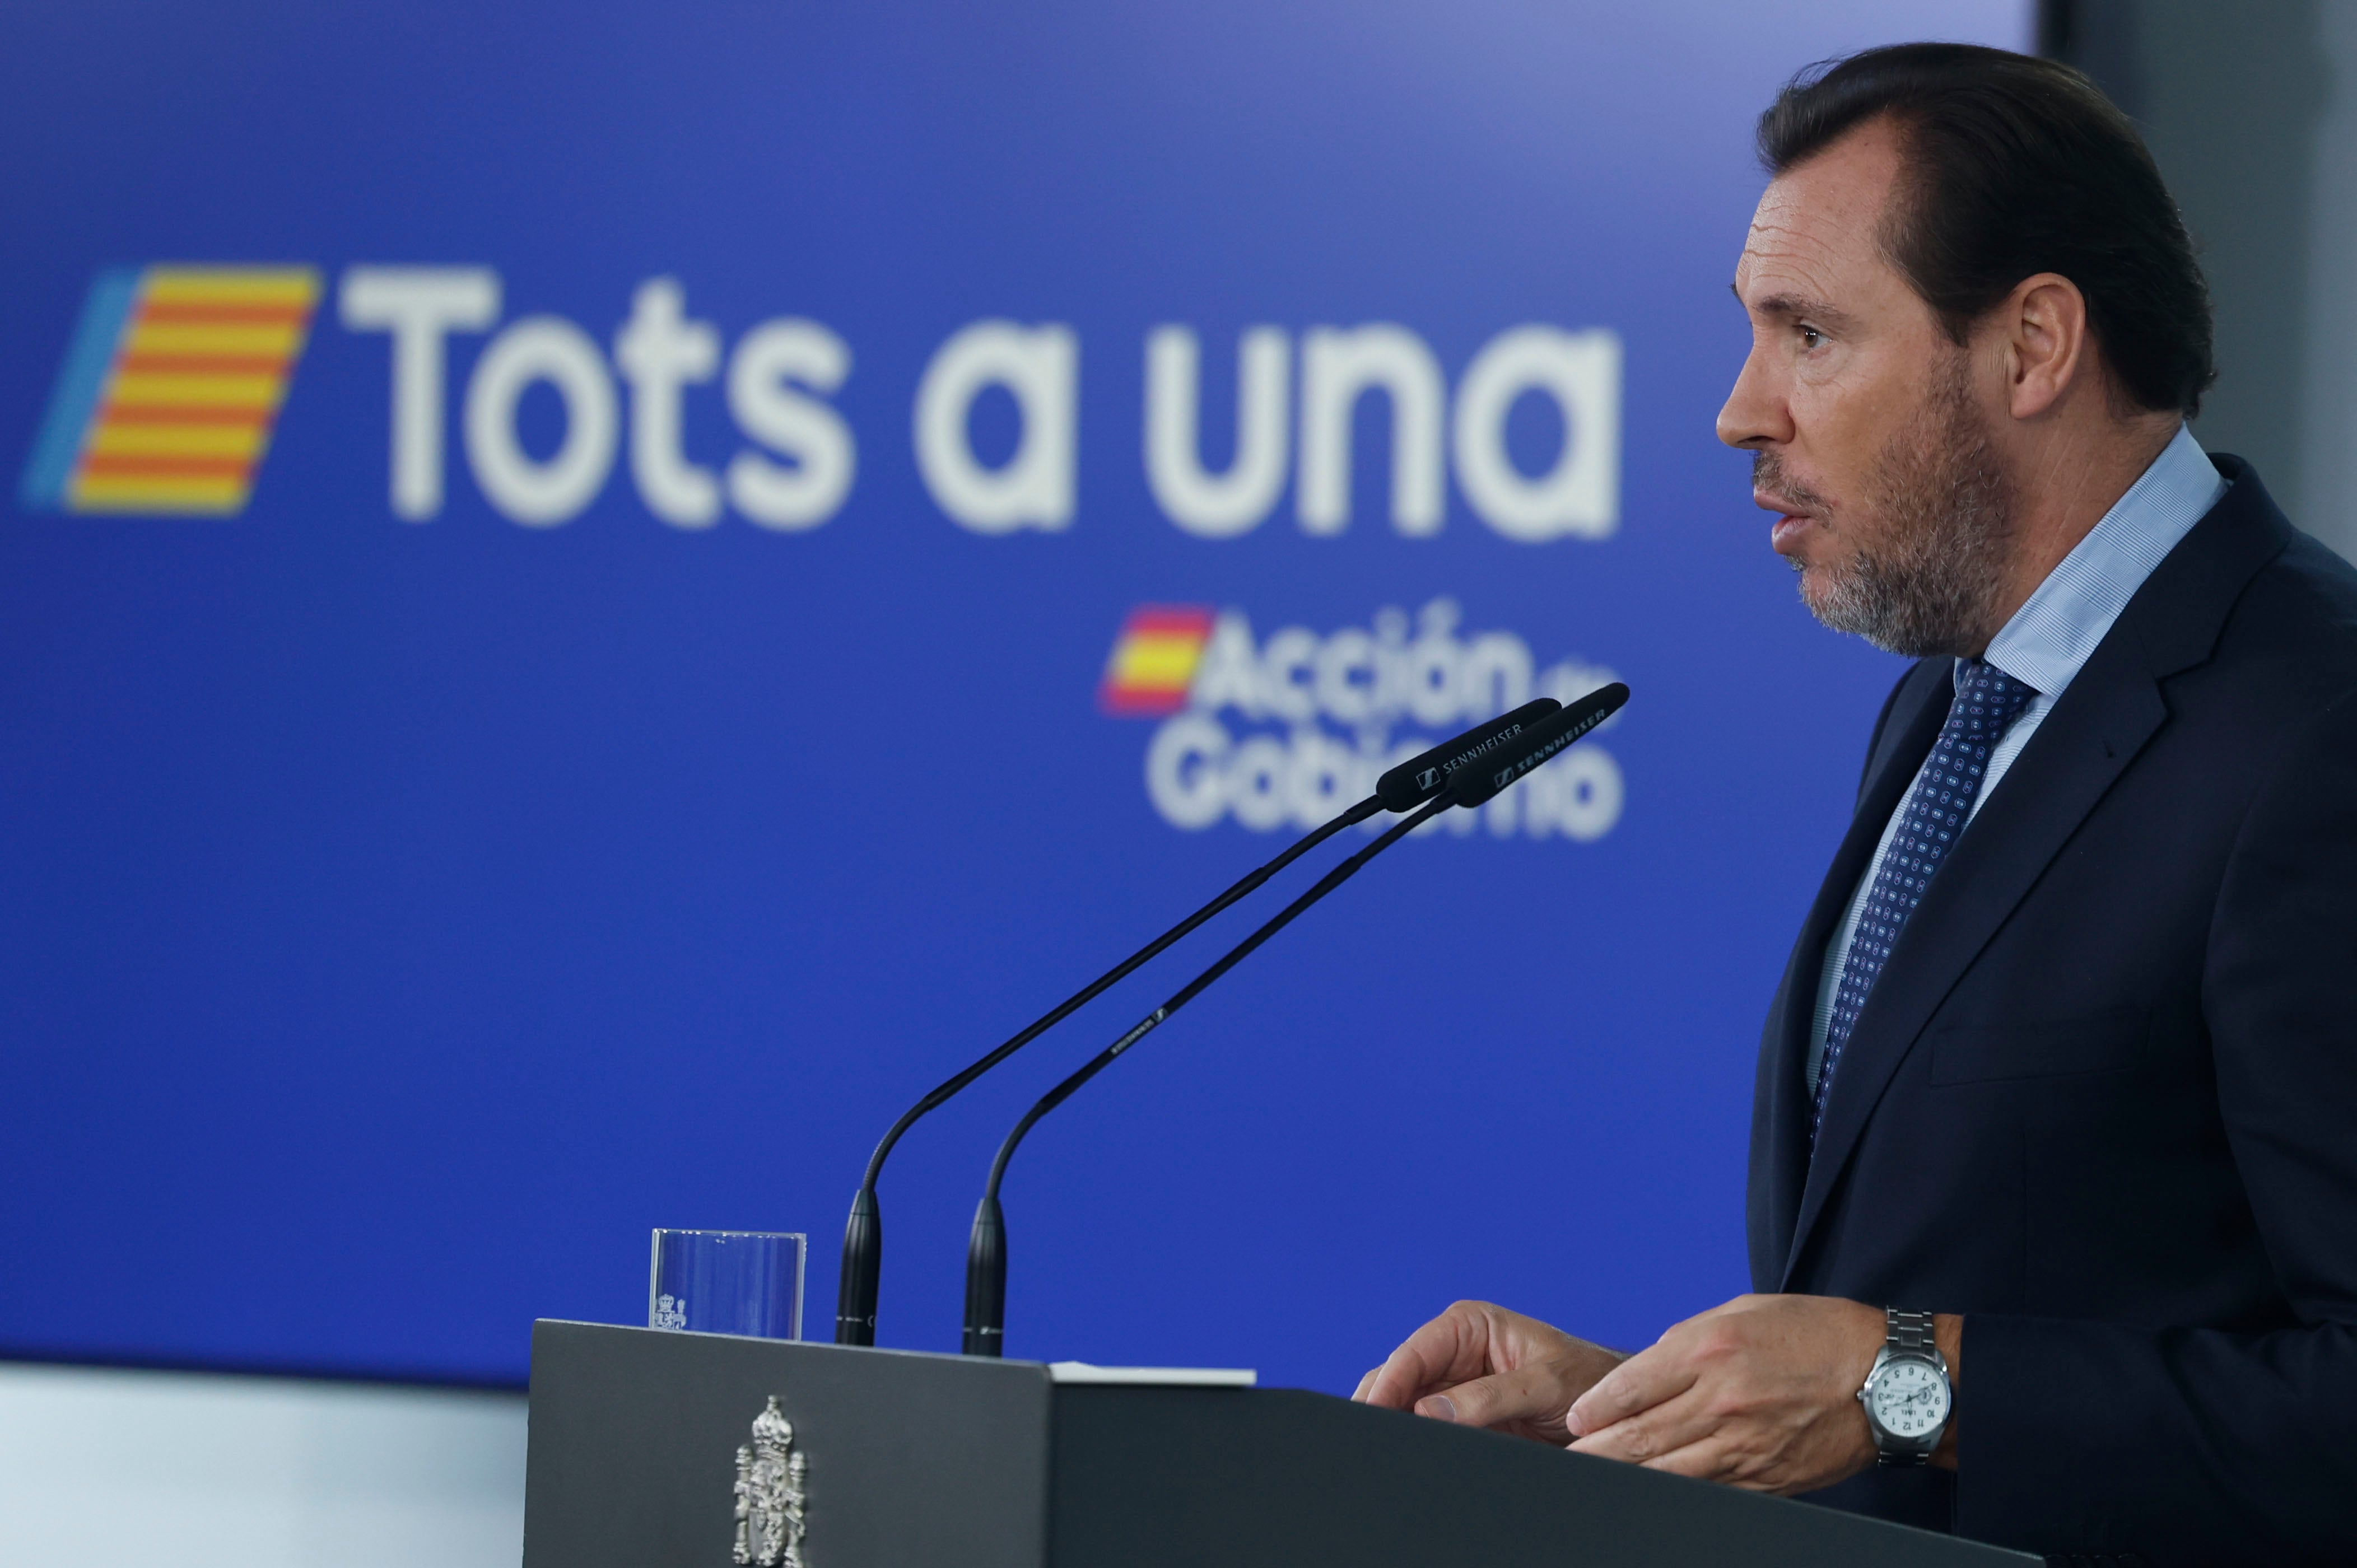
(727, 1282)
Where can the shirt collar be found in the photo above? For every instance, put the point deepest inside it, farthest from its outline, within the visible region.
(2050, 637)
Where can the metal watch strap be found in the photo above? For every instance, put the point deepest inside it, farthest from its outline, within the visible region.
(1908, 1332)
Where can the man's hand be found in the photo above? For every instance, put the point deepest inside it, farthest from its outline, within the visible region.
(1761, 1393)
(1479, 1365)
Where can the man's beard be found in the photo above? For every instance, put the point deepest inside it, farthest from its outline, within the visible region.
(1925, 579)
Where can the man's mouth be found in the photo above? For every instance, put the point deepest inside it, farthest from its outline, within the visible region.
(1792, 522)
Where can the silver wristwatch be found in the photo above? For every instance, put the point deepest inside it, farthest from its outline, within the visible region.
(1908, 1398)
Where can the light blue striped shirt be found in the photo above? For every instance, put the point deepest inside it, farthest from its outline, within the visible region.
(2049, 638)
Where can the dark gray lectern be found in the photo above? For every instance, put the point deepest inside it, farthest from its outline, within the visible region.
(639, 1439)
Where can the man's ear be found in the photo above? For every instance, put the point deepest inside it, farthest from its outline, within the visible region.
(2048, 356)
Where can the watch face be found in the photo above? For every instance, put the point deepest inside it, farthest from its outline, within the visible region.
(1909, 1398)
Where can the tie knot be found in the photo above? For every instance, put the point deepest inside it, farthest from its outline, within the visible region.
(1989, 701)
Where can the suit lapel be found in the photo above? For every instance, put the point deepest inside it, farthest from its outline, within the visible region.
(2108, 714)
(1917, 712)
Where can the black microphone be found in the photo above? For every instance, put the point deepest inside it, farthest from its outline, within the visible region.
(1420, 778)
(1480, 770)
(1413, 782)
(1482, 778)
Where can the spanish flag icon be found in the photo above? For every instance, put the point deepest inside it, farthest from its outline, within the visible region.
(1154, 660)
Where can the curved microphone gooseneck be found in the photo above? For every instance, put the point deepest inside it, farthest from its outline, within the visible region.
(1500, 761)
(1419, 779)
(985, 1258)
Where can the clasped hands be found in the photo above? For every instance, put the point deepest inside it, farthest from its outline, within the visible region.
(1761, 1393)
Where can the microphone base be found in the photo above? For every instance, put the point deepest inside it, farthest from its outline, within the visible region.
(863, 1267)
(986, 1282)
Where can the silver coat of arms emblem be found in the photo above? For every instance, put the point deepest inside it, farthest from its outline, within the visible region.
(771, 1495)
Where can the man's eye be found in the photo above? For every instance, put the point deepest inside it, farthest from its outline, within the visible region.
(1811, 336)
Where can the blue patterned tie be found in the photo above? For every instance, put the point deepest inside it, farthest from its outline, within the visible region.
(1937, 810)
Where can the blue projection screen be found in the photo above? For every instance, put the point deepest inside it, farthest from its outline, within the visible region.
(597, 597)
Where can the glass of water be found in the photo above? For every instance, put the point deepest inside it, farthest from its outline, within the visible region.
(727, 1282)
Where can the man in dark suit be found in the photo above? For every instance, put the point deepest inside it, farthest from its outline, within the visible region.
(2053, 1195)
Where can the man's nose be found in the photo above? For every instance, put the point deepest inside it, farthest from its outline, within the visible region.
(1754, 413)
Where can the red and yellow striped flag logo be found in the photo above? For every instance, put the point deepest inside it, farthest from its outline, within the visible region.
(1154, 660)
(170, 389)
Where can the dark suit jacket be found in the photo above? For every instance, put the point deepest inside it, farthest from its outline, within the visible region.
(2102, 1098)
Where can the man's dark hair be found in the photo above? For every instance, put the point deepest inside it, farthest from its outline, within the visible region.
(2017, 166)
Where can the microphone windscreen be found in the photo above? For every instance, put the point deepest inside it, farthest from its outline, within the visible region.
(1420, 778)
(1504, 765)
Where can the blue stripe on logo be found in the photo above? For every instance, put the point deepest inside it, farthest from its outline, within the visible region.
(76, 393)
